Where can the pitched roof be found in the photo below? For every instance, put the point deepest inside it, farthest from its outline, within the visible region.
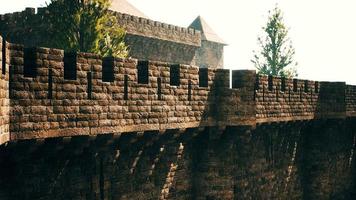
(207, 32)
(123, 6)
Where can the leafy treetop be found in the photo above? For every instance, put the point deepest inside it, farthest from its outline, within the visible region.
(86, 26)
(276, 55)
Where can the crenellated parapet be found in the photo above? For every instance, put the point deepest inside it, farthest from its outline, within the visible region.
(153, 29)
(27, 28)
(51, 93)
(24, 27)
(30, 19)
(56, 94)
(279, 99)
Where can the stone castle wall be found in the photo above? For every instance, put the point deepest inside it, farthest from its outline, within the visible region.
(108, 95)
(146, 39)
(4, 95)
(24, 27)
(284, 99)
(144, 48)
(55, 94)
(79, 126)
(154, 29)
(296, 160)
(210, 54)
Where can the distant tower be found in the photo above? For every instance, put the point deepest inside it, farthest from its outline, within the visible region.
(211, 52)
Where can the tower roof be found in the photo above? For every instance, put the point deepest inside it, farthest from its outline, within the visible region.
(207, 32)
(123, 6)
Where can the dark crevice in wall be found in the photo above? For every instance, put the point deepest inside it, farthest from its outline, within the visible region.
(159, 88)
(257, 82)
(283, 84)
(175, 75)
(3, 67)
(126, 87)
(189, 90)
(142, 72)
(50, 84)
(30, 67)
(237, 80)
(306, 86)
(90, 86)
(108, 74)
(270, 83)
(203, 77)
(70, 65)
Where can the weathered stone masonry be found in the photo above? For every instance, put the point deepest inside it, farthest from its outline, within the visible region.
(78, 126)
(46, 104)
(146, 39)
(4, 96)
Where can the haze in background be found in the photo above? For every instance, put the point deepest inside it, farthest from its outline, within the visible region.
(323, 31)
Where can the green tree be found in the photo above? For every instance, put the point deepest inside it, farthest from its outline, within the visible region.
(276, 54)
(86, 26)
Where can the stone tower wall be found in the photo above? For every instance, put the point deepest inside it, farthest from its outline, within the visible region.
(210, 54)
(154, 29)
(146, 39)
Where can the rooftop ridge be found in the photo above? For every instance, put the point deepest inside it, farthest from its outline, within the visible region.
(207, 32)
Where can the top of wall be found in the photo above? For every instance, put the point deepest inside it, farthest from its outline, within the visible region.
(134, 25)
(148, 28)
(58, 94)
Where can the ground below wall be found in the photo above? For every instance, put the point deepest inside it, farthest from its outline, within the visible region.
(295, 160)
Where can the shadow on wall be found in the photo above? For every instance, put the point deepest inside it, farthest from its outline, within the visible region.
(331, 100)
(326, 162)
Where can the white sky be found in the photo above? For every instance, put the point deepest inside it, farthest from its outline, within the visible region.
(323, 31)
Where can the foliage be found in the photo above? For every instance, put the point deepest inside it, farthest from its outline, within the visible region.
(86, 26)
(276, 54)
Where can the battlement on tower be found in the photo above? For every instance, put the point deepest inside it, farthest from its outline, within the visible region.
(154, 29)
(147, 39)
(29, 20)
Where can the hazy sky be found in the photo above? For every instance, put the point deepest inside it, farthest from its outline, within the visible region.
(323, 31)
